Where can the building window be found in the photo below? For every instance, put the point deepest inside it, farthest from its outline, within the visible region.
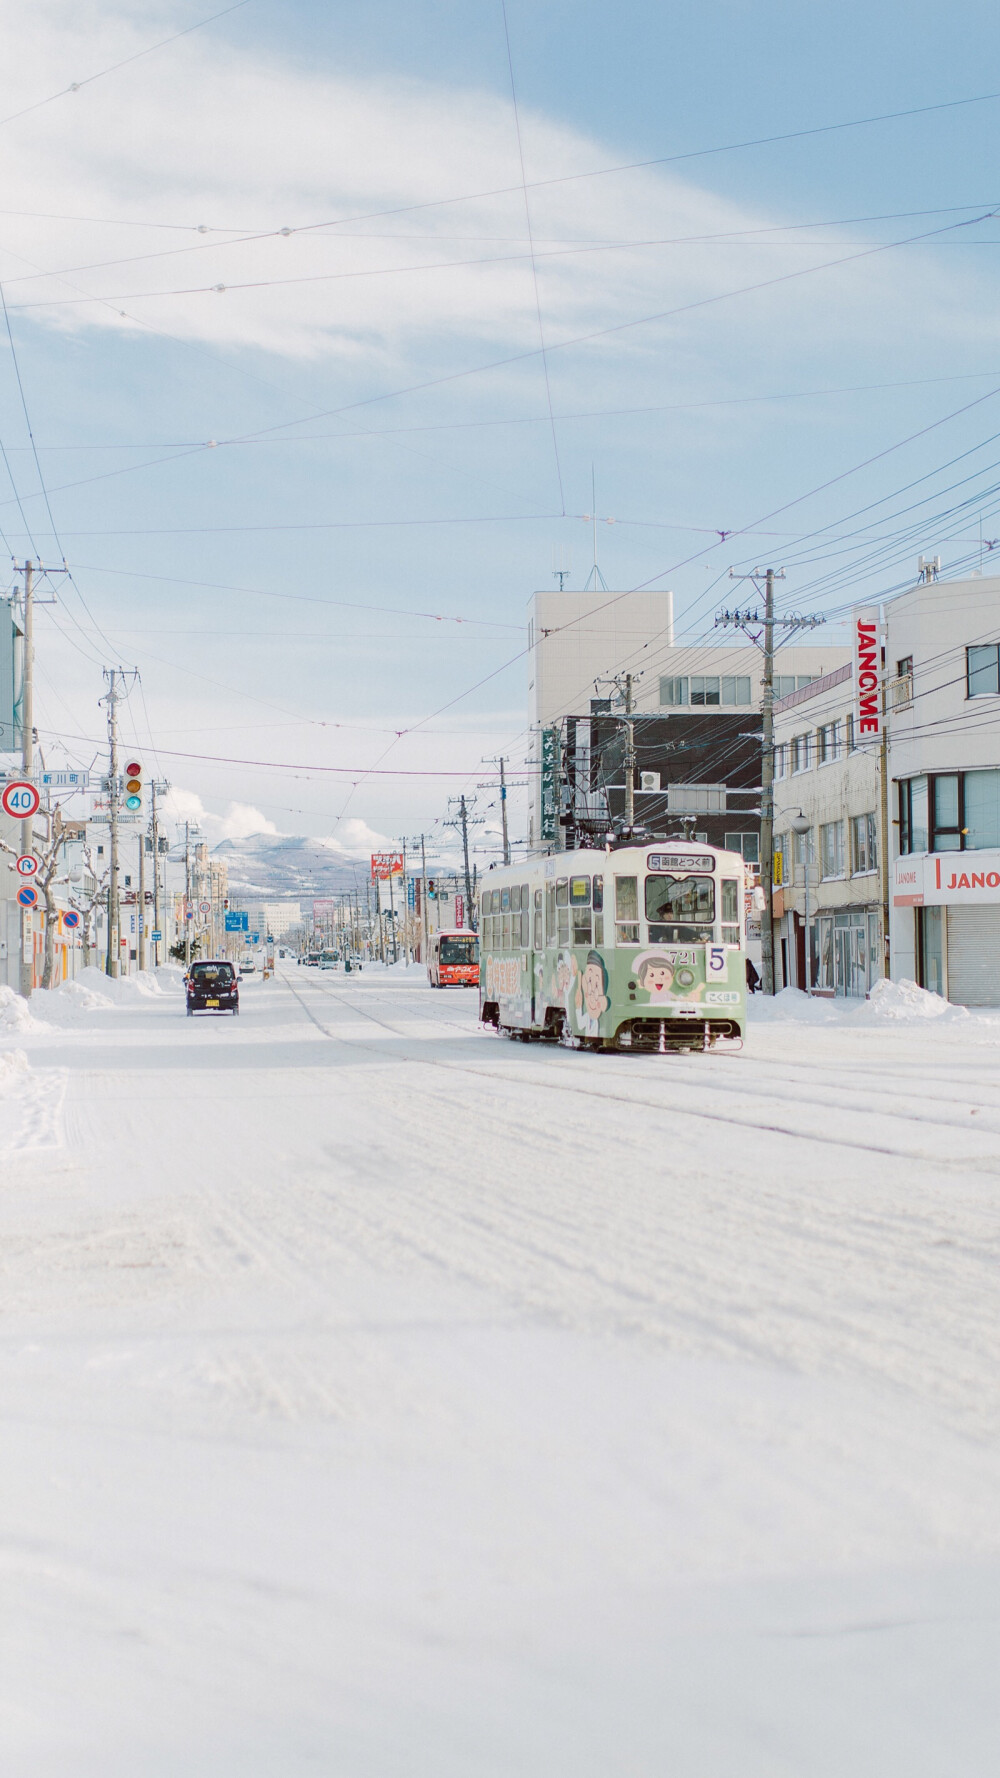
(946, 832)
(748, 844)
(786, 683)
(904, 668)
(780, 760)
(673, 692)
(831, 848)
(864, 843)
(800, 753)
(983, 670)
(829, 743)
(981, 810)
(736, 689)
(951, 812)
(913, 824)
(704, 690)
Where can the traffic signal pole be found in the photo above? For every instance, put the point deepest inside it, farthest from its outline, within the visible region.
(113, 961)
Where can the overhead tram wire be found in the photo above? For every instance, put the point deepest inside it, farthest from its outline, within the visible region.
(865, 252)
(102, 73)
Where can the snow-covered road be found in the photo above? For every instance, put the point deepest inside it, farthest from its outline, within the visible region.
(384, 1400)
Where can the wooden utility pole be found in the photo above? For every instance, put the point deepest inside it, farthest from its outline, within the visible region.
(761, 632)
(27, 763)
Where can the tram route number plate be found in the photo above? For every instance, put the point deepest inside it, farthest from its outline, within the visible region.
(722, 997)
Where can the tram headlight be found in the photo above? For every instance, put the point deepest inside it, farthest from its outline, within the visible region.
(685, 978)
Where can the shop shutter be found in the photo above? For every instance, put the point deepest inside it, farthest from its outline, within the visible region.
(974, 956)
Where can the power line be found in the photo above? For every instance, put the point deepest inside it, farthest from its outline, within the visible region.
(88, 80)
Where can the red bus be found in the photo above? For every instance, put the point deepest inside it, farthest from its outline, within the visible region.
(453, 959)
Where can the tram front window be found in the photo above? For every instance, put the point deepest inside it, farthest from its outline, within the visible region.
(680, 910)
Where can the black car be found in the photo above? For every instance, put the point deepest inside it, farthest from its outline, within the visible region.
(212, 987)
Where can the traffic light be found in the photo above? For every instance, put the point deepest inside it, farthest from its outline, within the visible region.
(431, 891)
(133, 786)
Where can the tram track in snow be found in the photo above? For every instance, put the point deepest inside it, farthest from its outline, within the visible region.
(988, 1165)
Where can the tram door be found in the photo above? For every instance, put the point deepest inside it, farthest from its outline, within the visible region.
(536, 953)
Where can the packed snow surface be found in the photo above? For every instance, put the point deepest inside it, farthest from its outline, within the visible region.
(385, 1400)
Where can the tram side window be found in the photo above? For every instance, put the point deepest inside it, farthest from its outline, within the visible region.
(525, 916)
(579, 899)
(598, 899)
(627, 910)
(538, 920)
(515, 898)
(505, 929)
(505, 901)
(550, 913)
(562, 910)
(730, 911)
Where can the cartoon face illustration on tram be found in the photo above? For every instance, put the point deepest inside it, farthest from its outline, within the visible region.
(617, 949)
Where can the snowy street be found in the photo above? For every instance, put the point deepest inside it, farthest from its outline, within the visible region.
(386, 1400)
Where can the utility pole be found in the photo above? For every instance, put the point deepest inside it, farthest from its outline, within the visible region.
(624, 685)
(141, 905)
(156, 873)
(465, 819)
(28, 762)
(113, 960)
(187, 894)
(503, 810)
(761, 630)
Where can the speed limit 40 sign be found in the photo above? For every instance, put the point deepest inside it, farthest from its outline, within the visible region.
(20, 800)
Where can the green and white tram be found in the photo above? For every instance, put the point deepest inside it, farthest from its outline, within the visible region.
(639, 948)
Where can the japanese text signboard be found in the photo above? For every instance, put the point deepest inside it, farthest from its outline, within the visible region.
(550, 784)
(386, 865)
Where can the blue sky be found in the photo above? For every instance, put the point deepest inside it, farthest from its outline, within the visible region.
(279, 588)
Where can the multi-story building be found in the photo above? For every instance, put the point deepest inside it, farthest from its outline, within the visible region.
(828, 867)
(943, 697)
(696, 708)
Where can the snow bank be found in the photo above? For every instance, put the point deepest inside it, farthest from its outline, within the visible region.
(897, 1003)
(127, 989)
(905, 1001)
(16, 1015)
(13, 1065)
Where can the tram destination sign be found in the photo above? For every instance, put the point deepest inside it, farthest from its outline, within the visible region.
(679, 861)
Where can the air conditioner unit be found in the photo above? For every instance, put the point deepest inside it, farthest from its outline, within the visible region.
(649, 781)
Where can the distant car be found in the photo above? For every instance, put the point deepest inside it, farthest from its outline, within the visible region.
(212, 987)
(248, 969)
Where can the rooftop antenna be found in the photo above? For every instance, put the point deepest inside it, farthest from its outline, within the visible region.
(595, 574)
(561, 564)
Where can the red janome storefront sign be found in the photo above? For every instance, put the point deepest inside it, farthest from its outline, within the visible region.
(946, 879)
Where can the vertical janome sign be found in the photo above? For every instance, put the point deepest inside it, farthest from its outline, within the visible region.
(867, 674)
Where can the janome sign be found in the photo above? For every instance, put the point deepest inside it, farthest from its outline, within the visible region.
(867, 673)
(946, 879)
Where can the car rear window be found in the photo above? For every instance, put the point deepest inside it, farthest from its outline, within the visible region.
(211, 973)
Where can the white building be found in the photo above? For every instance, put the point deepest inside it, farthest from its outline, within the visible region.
(829, 879)
(943, 693)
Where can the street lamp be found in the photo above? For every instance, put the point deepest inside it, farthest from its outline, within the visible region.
(801, 825)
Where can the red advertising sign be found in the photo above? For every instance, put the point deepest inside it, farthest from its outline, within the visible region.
(386, 865)
(460, 910)
(867, 674)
